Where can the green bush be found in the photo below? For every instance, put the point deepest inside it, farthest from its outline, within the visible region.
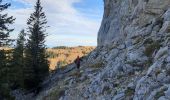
(160, 93)
(60, 47)
(55, 94)
(64, 63)
(129, 92)
(84, 52)
(5, 92)
(150, 48)
(97, 65)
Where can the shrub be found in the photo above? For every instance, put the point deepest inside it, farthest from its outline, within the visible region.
(5, 92)
(97, 65)
(84, 52)
(107, 90)
(60, 47)
(129, 91)
(55, 94)
(160, 93)
(67, 54)
(63, 63)
(150, 48)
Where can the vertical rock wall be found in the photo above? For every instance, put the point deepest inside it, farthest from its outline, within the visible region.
(125, 18)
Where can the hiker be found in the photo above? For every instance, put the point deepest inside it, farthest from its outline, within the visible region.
(77, 62)
(58, 65)
(1, 98)
(37, 90)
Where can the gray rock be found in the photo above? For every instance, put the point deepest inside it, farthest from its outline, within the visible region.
(131, 85)
(166, 27)
(161, 77)
(86, 94)
(168, 67)
(168, 59)
(161, 52)
(167, 15)
(167, 93)
(163, 98)
(154, 68)
(119, 96)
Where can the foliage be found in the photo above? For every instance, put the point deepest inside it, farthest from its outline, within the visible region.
(5, 92)
(160, 93)
(18, 60)
(55, 93)
(150, 48)
(84, 52)
(60, 47)
(63, 63)
(129, 92)
(97, 64)
(5, 21)
(5, 71)
(36, 63)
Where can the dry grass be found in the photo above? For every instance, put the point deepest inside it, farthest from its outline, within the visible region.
(5, 48)
(68, 55)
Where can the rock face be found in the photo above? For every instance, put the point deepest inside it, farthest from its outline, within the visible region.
(124, 19)
(132, 60)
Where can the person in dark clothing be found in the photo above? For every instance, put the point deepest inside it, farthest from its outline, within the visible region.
(77, 62)
(37, 90)
(1, 98)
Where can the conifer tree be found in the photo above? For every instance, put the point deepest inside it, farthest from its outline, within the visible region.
(5, 21)
(36, 66)
(18, 60)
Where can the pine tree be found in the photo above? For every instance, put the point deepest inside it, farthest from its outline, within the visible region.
(18, 61)
(5, 21)
(36, 66)
(3, 66)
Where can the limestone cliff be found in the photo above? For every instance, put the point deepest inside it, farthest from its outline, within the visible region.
(124, 19)
(132, 60)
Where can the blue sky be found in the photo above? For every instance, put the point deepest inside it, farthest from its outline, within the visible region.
(72, 22)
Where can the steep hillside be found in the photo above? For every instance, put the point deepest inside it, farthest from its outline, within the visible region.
(133, 46)
(131, 62)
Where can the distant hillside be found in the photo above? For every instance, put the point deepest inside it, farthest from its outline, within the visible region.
(66, 55)
(5, 48)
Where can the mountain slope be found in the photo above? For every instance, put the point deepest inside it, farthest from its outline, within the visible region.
(133, 44)
(132, 60)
